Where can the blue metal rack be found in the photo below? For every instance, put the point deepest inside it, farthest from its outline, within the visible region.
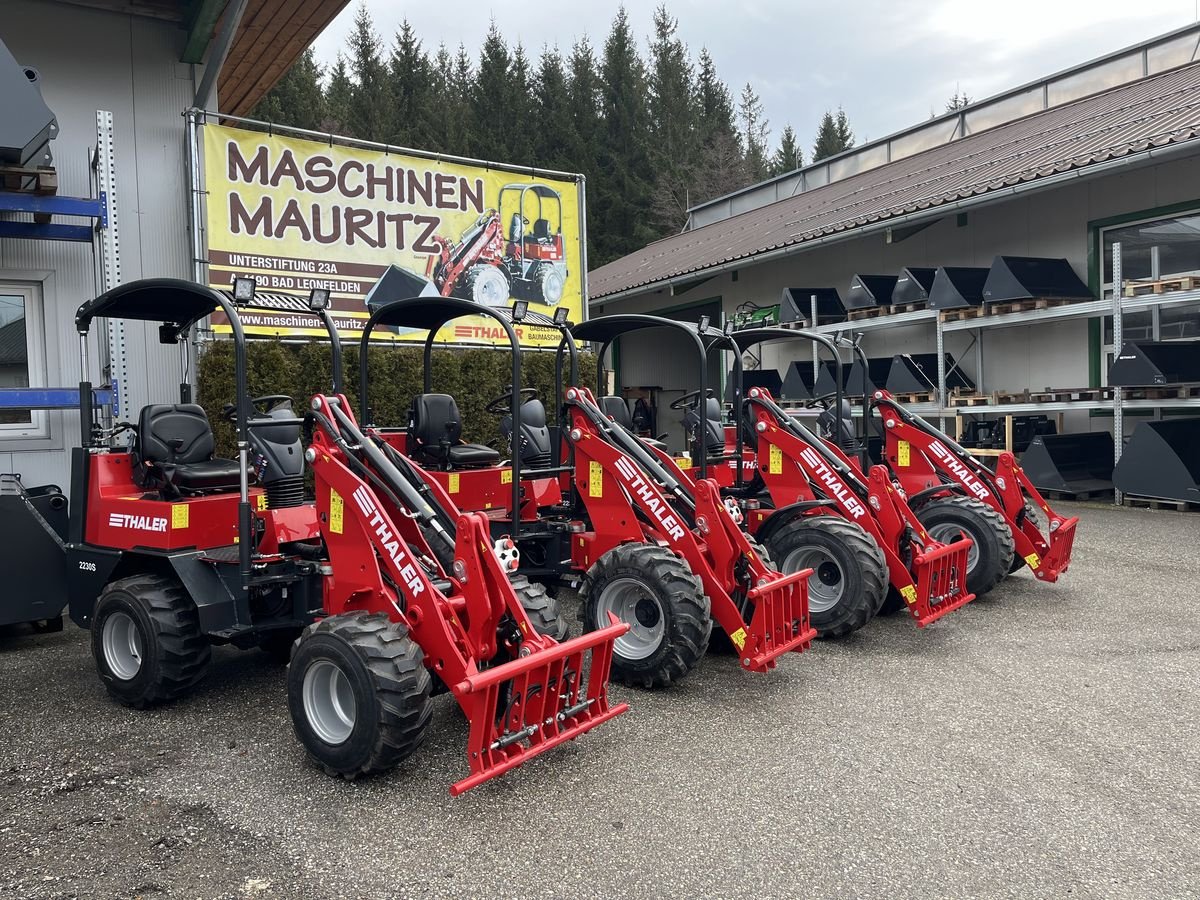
(43, 205)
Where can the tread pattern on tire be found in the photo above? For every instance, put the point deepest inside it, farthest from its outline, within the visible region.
(397, 666)
(185, 650)
(869, 561)
(691, 610)
(995, 523)
(544, 611)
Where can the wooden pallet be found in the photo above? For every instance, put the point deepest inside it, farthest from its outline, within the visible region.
(1052, 395)
(912, 397)
(1161, 286)
(1158, 503)
(1014, 306)
(1162, 392)
(871, 312)
(40, 180)
(957, 315)
(966, 401)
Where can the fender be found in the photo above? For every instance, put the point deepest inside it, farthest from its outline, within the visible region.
(785, 514)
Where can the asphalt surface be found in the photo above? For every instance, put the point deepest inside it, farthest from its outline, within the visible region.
(1038, 743)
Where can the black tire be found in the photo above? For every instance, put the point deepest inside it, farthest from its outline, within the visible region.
(544, 612)
(383, 671)
(171, 652)
(993, 556)
(672, 603)
(278, 644)
(850, 578)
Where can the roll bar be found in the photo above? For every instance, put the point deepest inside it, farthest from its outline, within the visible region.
(431, 314)
(606, 329)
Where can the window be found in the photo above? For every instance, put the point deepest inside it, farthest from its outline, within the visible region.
(21, 357)
(1163, 255)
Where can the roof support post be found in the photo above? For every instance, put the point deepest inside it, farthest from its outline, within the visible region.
(216, 59)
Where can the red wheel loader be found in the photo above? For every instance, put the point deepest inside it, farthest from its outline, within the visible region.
(933, 467)
(660, 553)
(170, 550)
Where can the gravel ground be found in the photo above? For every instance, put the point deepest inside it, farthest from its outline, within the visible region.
(1040, 742)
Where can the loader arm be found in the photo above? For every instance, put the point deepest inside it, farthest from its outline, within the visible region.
(792, 459)
(922, 458)
(637, 495)
(522, 692)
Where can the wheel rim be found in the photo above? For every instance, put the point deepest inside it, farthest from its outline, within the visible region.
(948, 533)
(491, 289)
(122, 643)
(826, 585)
(329, 703)
(631, 601)
(552, 286)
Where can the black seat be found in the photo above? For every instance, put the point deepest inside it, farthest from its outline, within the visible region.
(535, 433)
(435, 433)
(618, 410)
(175, 453)
(711, 435)
(839, 428)
(541, 231)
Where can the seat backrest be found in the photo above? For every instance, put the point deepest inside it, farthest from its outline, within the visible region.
(174, 434)
(618, 410)
(709, 431)
(839, 426)
(535, 434)
(433, 420)
(516, 228)
(541, 229)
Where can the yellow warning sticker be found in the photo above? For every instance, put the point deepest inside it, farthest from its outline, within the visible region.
(739, 638)
(909, 593)
(179, 515)
(1034, 560)
(506, 476)
(452, 487)
(903, 454)
(775, 462)
(261, 502)
(336, 520)
(684, 462)
(595, 479)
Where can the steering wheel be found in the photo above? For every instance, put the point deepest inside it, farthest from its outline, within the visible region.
(267, 401)
(502, 405)
(691, 399)
(822, 401)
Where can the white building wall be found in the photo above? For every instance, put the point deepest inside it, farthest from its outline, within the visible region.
(1052, 223)
(92, 59)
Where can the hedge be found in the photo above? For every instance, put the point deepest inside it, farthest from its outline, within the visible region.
(471, 376)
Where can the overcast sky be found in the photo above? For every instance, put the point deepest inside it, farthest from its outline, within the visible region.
(886, 63)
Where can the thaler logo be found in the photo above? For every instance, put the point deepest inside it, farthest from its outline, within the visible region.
(390, 542)
(653, 501)
(832, 483)
(972, 484)
(138, 523)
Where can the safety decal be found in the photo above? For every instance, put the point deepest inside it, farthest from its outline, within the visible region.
(775, 463)
(179, 515)
(903, 454)
(452, 487)
(595, 479)
(739, 638)
(336, 512)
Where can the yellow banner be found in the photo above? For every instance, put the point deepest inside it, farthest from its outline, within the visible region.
(298, 215)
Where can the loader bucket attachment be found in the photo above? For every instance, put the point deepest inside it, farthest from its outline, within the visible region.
(941, 582)
(525, 707)
(779, 624)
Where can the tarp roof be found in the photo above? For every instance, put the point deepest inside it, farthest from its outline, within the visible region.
(1153, 112)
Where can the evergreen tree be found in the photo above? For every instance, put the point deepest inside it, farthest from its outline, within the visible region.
(338, 96)
(789, 156)
(623, 186)
(958, 100)
(520, 107)
(370, 113)
(412, 82)
(721, 166)
(552, 124)
(492, 100)
(756, 132)
(833, 136)
(672, 112)
(583, 133)
(297, 99)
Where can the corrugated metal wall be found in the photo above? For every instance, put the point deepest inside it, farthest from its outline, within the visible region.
(89, 60)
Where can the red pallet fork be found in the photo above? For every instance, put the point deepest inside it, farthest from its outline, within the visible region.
(382, 561)
(628, 489)
(927, 463)
(791, 460)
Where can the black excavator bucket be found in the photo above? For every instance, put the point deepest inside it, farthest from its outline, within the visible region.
(913, 285)
(956, 287)
(1162, 461)
(912, 372)
(796, 306)
(1029, 277)
(867, 291)
(1146, 363)
(1070, 463)
(33, 528)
